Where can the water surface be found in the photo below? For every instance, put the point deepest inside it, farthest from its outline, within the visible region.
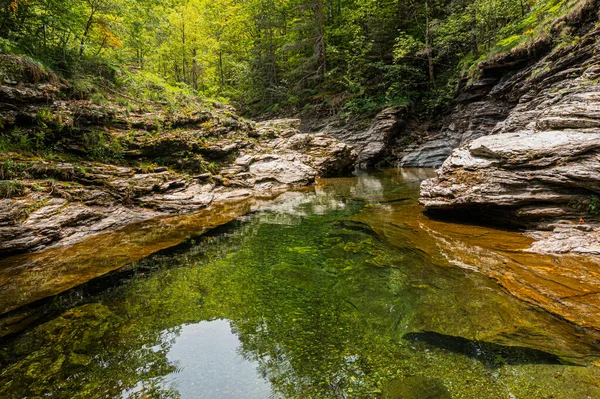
(344, 291)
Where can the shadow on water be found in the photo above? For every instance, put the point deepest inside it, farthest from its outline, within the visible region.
(490, 354)
(357, 226)
(26, 317)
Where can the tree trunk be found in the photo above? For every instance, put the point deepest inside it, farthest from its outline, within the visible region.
(272, 56)
(102, 45)
(320, 49)
(86, 31)
(474, 42)
(194, 69)
(428, 48)
(183, 52)
(221, 73)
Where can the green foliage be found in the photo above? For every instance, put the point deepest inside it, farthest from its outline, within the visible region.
(360, 106)
(269, 55)
(7, 46)
(143, 88)
(9, 169)
(101, 147)
(11, 188)
(29, 142)
(440, 97)
(525, 28)
(593, 207)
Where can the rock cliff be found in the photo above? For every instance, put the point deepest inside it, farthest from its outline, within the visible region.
(371, 138)
(528, 137)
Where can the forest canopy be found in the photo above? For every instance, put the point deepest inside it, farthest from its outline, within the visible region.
(347, 56)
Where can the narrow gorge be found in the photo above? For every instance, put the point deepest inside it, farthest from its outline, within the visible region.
(300, 199)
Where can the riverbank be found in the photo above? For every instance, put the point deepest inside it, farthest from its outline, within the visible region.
(522, 143)
(70, 168)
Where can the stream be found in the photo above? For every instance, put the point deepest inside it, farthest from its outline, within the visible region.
(345, 290)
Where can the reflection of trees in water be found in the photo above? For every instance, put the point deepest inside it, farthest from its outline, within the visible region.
(320, 305)
(300, 355)
(368, 186)
(311, 319)
(89, 352)
(314, 304)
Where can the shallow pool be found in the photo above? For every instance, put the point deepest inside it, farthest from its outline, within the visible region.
(344, 291)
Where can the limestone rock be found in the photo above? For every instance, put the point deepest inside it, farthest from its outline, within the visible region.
(542, 162)
(87, 197)
(514, 90)
(282, 171)
(371, 142)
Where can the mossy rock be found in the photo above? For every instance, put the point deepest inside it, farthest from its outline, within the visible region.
(416, 388)
(78, 329)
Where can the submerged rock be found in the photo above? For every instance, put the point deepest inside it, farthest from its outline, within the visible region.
(416, 388)
(551, 300)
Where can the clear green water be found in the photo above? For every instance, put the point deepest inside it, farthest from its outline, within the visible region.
(301, 300)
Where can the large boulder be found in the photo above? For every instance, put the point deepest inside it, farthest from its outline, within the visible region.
(371, 141)
(326, 154)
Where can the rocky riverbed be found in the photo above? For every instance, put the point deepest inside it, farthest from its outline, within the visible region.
(520, 149)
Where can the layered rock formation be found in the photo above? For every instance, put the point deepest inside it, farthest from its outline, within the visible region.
(101, 166)
(532, 152)
(372, 141)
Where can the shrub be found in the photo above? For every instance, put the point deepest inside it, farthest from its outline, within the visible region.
(11, 188)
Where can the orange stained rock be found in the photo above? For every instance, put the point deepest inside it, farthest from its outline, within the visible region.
(565, 285)
(30, 277)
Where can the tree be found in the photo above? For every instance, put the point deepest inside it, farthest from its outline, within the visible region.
(95, 8)
(357, 54)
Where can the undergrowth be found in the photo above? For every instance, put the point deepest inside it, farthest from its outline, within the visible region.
(11, 188)
(541, 23)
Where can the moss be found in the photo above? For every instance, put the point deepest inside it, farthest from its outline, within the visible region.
(25, 212)
(547, 22)
(416, 388)
(537, 72)
(509, 42)
(11, 169)
(21, 68)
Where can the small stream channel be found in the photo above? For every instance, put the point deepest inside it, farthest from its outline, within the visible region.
(343, 291)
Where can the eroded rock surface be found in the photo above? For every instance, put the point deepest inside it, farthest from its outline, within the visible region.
(539, 167)
(97, 197)
(511, 87)
(371, 141)
(104, 166)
